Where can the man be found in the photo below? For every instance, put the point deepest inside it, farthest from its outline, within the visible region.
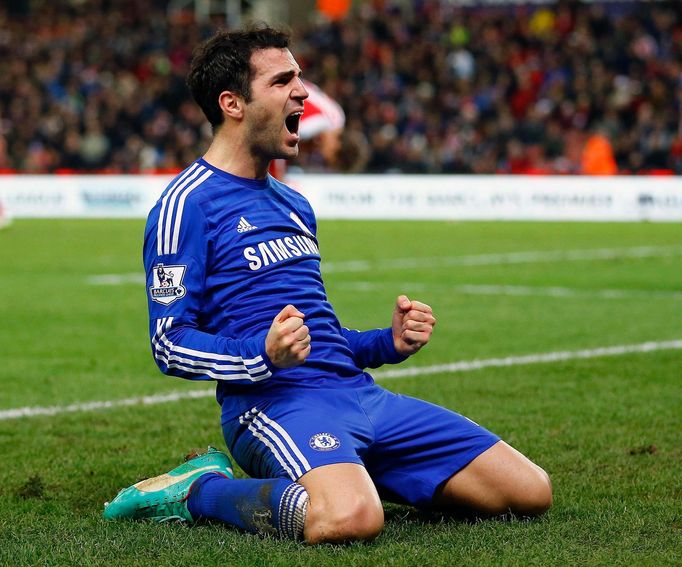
(249, 310)
(323, 137)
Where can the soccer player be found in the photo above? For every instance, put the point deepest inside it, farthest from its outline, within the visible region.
(247, 309)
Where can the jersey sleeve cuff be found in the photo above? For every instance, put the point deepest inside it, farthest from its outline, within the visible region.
(253, 348)
(260, 342)
(392, 356)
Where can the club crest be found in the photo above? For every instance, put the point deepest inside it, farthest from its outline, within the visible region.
(324, 442)
(167, 286)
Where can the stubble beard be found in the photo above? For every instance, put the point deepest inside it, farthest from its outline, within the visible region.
(266, 142)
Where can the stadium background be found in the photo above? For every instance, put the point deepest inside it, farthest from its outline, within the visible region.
(434, 86)
(564, 337)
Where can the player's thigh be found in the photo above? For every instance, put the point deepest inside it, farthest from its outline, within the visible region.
(499, 480)
(418, 446)
(343, 505)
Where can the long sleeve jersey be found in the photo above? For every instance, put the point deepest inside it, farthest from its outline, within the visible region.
(223, 255)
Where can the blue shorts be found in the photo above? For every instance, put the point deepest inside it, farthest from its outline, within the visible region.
(408, 446)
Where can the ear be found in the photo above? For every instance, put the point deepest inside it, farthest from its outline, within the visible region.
(231, 104)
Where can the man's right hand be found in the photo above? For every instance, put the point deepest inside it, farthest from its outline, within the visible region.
(287, 343)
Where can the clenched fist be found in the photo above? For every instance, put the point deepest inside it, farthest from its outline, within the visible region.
(412, 325)
(287, 343)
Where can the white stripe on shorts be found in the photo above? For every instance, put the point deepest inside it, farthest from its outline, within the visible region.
(287, 439)
(281, 446)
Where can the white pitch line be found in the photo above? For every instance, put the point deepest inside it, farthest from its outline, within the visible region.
(116, 279)
(92, 406)
(461, 366)
(529, 257)
(518, 290)
(565, 291)
(467, 365)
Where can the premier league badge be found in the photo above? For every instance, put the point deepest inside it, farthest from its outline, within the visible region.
(324, 442)
(168, 286)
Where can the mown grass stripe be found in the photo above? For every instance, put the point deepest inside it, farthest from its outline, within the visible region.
(493, 259)
(461, 366)
(513, 290)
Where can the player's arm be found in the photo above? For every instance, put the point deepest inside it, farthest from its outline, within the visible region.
(179, 345)
(185, 351)
(372, 349)
(412, 323)
(179, 245)
(411, 327)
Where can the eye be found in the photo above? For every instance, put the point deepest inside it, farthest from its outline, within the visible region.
(281, 80)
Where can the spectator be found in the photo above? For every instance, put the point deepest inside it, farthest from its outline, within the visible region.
(597, 156)
(432, 86)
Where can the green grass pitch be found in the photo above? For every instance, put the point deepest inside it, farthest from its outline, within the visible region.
(606, 428)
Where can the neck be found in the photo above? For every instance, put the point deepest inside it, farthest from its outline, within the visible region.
(232, 154)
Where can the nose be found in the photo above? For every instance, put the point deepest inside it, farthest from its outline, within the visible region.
(299, 92)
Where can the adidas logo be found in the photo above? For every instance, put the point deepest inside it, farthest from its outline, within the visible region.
(244, 225)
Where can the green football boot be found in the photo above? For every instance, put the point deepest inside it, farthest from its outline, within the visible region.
(164, 497)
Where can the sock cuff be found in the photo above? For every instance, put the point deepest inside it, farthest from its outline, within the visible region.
(293, 506)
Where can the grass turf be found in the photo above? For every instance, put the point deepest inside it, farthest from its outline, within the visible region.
(606, 429)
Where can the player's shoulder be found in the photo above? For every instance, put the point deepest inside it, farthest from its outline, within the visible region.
(289, 192)
(188, 182)
(183, 198)
(200, 189)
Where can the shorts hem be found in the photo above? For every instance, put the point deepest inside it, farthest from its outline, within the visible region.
(342, 461)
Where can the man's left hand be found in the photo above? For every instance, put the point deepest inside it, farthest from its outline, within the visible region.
(412, 325)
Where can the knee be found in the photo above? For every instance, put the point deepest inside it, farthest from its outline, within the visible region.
(536, 497)
(353, 521)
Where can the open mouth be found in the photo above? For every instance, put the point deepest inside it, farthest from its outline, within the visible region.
(292, 121)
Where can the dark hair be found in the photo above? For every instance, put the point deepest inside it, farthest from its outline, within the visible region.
(223, 63)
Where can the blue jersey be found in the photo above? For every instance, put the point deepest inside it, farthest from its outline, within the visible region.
(223, 256)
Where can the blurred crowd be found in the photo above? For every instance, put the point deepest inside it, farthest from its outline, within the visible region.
(433, 88)
(98, 85)
(563, 88)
